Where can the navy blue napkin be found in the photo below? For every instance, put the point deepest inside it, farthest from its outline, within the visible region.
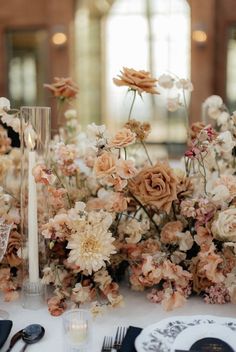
(5, 328)
(128, 342)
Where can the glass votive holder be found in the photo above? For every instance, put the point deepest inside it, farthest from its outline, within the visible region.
(33, 295)
(77, 330)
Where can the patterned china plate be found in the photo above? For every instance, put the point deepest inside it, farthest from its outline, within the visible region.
(181, 333)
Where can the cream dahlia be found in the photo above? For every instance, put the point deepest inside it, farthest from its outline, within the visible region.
(91, 249)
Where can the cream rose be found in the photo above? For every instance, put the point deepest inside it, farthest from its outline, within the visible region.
(224, 226)
(105, 165)
(123, 138)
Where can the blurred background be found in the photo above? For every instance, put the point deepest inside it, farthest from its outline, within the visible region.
(91, 40)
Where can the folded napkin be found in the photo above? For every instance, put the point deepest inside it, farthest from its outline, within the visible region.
(128, 342)
(5, 328)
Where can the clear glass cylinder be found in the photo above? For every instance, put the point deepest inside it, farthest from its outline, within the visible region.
(35, 137)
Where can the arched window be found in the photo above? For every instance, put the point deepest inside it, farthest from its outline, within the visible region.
(153, 35)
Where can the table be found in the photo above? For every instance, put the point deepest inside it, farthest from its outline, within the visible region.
(138, 311)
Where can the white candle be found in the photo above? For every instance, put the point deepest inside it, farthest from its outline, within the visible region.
(77, 334)
(32, 222)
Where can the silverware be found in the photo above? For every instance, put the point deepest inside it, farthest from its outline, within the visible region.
(14, 340)
(107, 344)
(120, 334)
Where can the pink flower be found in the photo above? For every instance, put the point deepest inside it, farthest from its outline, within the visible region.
(172, 301)
(43, 175)
(192, 153)
(126, 168)
(56, 306)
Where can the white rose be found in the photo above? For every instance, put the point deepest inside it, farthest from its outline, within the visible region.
(224, 226)
(71, 114)
(185, 84)
(220, 194)
(4, 105)
(173, 104)
(214, 101)
(226, 143)
(95, 132)
(166, 81)
(223, 118)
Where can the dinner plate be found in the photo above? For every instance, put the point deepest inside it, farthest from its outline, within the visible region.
(182, 331)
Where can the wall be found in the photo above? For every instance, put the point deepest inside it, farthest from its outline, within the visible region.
(19, 14)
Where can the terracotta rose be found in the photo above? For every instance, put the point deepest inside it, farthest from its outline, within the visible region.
(63, 88)
(156, 186)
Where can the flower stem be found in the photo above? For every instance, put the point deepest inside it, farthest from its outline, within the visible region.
(145, 210)
(204, 173)
(146, 151)
(125, 153)
(186, 112)
(132, 105)
(62, 184)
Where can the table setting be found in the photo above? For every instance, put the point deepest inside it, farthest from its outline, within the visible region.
(101, 241)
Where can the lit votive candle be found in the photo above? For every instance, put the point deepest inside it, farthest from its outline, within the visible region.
(77, 333)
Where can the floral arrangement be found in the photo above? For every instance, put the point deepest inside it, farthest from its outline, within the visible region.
(170, 232)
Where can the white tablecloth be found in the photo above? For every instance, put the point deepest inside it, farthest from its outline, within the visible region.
(138, 311)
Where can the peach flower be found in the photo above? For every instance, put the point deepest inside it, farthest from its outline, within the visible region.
(140, 81)
(172, 301)
(43, 175)
(156, 186)
(116, 182)
(141, 130)
(105, 165)
(56, 306)
(11, 296)
(63, 88)
(169, 232)
(14, 244)
(126, 168)
(123, 138)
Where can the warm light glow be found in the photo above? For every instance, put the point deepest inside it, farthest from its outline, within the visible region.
(59, 38)
(199, 36)
(30, 142)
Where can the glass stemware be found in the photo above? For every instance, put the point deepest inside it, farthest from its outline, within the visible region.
(5, 230)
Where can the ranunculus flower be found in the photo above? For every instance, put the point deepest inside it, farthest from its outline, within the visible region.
(185, 84)
(43, 175)
(123, 138)
(105, 164)
(224, 226)
(63, 88)
(166, 81)
(169, 232)
(140, 81)
(126, 168)
(173, 104)
(155, 186)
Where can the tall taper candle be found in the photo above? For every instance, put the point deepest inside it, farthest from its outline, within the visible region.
(32, 222)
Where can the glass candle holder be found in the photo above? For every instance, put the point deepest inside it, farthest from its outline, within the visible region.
(77, 330)
(35, 137)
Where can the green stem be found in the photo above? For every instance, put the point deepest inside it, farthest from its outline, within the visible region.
(60, 104)
(132, 105)
(186, 112)
(145, 210)
(62, 184)
(146, 151)
(204, 173)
